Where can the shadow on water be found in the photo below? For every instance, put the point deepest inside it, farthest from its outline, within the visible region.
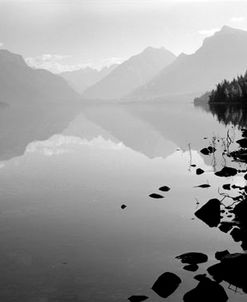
(235, 115)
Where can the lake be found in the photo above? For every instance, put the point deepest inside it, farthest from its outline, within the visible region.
(64, 175)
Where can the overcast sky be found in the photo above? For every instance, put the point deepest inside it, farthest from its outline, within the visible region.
(62, 34)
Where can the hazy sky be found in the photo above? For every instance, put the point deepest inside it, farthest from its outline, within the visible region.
(62, 34)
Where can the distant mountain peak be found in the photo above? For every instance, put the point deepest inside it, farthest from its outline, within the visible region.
(152, 50)
(221, 56)
(225, 36)
(83, 78)
(10, 57)
(229, 30)
(21, 84)
(132, 73)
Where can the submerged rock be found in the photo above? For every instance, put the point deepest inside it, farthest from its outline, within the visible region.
(193, 258)
(137, 298)
(210, 213)
(164, 189)
(227, 172)
(206, 290)
(166, 284)
(155, 195)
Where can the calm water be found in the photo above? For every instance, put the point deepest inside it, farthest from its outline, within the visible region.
(63, 179)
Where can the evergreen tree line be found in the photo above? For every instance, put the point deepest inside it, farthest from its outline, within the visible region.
(230, 91)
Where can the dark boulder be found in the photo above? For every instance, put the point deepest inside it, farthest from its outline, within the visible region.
(236, 234)
(206, 290)
(221, 255)
(156, 196)
(233, 269)
(208, 150)
(193, 258)
(166, 284)
(191, 267)
(226, 186)
(164, 189)
(227, 172)
(210, 213)
(225, 226)
(203, 186)
(199, 171)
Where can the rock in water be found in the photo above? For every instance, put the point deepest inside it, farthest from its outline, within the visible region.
(155, 195)
(236, 234)
(191, 267)
(211, 149)
(137, 298)
(232, 268)
(164, 189)
(206, 290)
(203, 186)
(199, 171)
(208, 150)
(225, 226)
(227, 172)
(210, 213)
(221, 255)
(193, 258)
(226, 186)
(166, 284)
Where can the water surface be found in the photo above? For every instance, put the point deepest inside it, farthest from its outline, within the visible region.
(64, 175)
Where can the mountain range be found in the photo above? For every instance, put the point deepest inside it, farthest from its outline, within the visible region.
(83, 78)
(129, 75)
(221, 56)
(155, 72)
(21, 84)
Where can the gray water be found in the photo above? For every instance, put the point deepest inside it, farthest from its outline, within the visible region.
(63, 178)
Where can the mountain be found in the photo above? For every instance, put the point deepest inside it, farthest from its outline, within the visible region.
(20, 84)
(222, 56)
(132, 73)
(81, 79)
